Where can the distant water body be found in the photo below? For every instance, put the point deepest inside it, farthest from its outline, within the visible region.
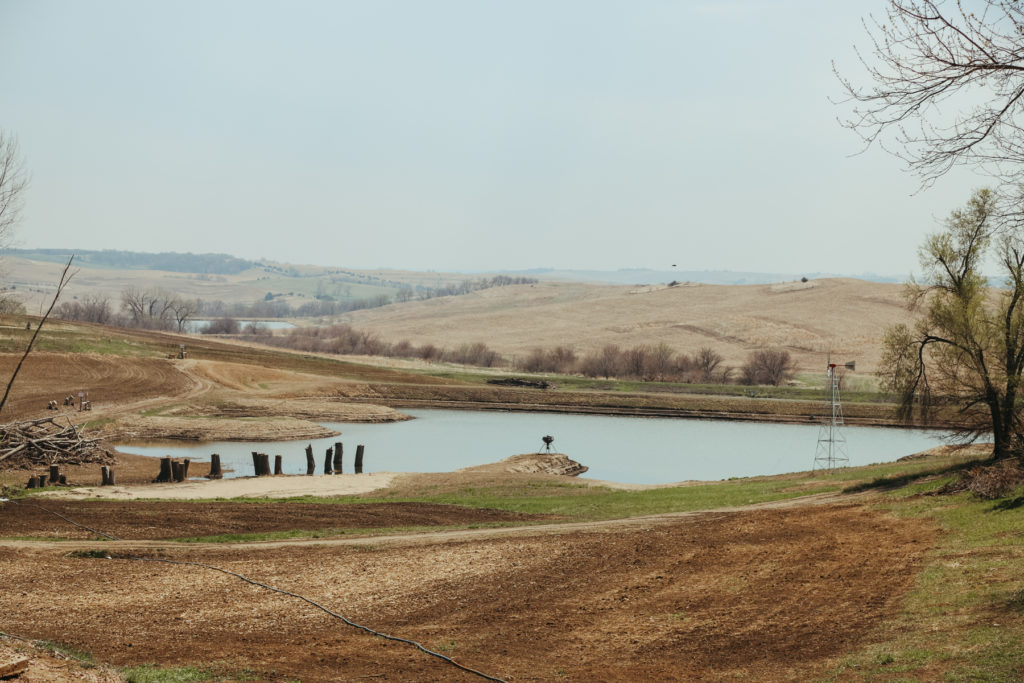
(633, 450)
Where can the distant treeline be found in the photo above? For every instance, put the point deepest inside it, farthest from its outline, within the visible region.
(210, 264)
(159, 309)
(326, 306)
(647, 363)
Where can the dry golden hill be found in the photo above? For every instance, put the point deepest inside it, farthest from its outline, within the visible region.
(808, 318)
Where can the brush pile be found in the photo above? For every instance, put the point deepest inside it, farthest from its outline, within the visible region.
(46, 442)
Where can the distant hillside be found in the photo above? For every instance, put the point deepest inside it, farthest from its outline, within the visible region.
(810, 319)
(646, 276)
(172, 262)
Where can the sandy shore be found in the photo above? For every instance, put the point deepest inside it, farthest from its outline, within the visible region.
(283, 486)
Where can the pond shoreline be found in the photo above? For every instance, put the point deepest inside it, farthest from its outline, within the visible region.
(628, 411)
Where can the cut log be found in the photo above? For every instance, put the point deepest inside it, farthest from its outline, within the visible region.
(13, 664)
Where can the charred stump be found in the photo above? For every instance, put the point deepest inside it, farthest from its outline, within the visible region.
(310, 461)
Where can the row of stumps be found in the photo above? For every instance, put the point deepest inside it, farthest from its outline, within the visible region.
(332, 460)
(172, 470)
(56, 478)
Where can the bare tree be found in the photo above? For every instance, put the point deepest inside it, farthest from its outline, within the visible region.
(946, 82)
(604, 363)
(707, 361)
(65, 277)
(183, 310)
(767, 366)
(13, 183)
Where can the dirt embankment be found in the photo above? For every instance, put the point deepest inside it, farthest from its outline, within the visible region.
(160, 398)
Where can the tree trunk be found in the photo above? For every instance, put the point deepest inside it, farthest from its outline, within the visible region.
(215, 471)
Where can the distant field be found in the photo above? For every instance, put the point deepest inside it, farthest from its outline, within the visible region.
(809, 319)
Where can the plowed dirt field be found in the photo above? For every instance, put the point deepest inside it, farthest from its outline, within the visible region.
(766, 594)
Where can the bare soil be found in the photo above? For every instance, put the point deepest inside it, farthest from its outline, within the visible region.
(768, 594)
(144, 520)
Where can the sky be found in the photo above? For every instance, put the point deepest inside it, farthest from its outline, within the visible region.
(459, 135)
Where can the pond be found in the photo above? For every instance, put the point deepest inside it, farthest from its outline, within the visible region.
(197, 326)
(633, 450)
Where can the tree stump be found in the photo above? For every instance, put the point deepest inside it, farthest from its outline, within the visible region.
(328, 460)
(177, 471)
(54, 474)
(310, 462)
(337, 457)
(255, 463)
(264, 465)
(63, 480)
(165, 471)
(104, 475)
(33, 482)
(359, 459)
(42, 481)
(215, 471)
(277, 465)
(184, 469)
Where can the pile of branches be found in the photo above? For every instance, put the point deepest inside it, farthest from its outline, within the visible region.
(46, 442)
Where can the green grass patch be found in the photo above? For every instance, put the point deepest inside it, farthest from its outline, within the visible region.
(153, 674)
(964, 618)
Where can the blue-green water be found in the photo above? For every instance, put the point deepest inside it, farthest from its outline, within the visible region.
(624, 449)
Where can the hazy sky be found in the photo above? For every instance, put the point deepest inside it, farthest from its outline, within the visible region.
(457, 134)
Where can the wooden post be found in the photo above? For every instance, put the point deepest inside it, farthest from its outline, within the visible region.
(359, 459)
(328, 460)
(310, 462)
(165, 470)
(104, 475)
(215, 471)
(184, 469)
(277, 465)
(264, 465)
(255, 463)
(110, 477)
(337, 457)
(177, 471)
(54, 474)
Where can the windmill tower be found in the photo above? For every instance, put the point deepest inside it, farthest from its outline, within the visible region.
(831, 452)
